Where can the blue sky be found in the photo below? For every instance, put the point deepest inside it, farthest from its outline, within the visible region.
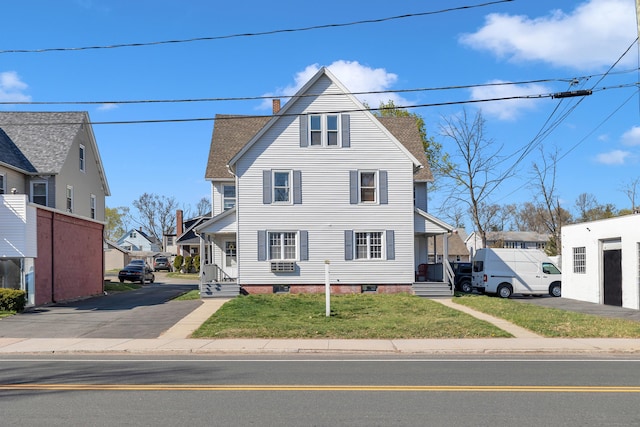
(549, 44)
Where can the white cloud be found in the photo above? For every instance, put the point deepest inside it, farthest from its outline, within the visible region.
(107, 107)
(354, 76)
(507, 109)
(11, 88)
(615, 157)
(632, 136)
(591, 36)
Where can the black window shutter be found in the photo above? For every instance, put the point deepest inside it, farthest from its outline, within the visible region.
(266, 187)
(348, 245)
(391, 245)
(297, 187)
(262, 245)
(384, 188)
(346, 130)
(304, 134)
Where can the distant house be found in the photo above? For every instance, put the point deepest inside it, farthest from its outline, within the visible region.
(508, 239)
(138, 241)
(115, 257)
(322, 182)
(457, 250)
(601, 261)
(187, 240)
(52, 203)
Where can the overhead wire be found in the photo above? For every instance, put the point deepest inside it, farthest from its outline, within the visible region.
(255, 34)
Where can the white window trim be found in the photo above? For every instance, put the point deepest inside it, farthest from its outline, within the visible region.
(289, 200)
(226, 255)
(69, 197)
(324, 131)
(282, 245)
(579, 260)
(46, 191)
(383, 245)
(225, 199)
(92, 206)
(83, 158)
(376, 180)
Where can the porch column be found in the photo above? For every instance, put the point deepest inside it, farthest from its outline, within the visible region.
(445, 257)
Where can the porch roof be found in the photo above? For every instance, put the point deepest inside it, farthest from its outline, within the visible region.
(425, 223)
(221, 223)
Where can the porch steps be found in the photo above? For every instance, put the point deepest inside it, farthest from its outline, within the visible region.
(219, 290)
(431, 289)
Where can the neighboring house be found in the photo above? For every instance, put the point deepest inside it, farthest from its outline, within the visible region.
(169, 243)
(601, 261)
(507, 239)
(311, 186)
(458, 251)
(54, 159)
(138, 241)
(52, 202)
(115, 257)
(188, 241)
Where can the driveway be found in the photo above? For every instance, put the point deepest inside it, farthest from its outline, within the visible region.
(143, 313)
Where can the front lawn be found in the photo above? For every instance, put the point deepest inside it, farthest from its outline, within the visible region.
(352, 316)
(551, 322)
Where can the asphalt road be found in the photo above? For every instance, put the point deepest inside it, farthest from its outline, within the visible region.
(299, 390)
(143, 313)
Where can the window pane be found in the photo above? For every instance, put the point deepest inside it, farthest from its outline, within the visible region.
(229, 191)
(315, 123)
(274, 246)
(281, 194)
(316, 137)
(332, 123)
(281, 179)
(367, 179)
(361, 245)
(332, 138)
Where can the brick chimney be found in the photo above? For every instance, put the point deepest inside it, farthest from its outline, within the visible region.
(276, 106)
(179, 230)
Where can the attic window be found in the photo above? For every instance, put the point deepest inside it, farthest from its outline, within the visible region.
(82, 158)
(324, 130)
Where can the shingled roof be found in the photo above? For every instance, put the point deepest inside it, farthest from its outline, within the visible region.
(12, 156)
(232, 132)
(44, 138)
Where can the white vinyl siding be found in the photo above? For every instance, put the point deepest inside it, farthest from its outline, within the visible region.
(325, 211)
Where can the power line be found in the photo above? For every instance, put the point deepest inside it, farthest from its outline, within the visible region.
(262, 33)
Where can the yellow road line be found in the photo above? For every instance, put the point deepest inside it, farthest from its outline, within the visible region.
(383, 388)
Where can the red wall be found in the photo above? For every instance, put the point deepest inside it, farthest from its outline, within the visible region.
(70, 258)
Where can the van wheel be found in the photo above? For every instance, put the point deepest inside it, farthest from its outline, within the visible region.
(504, 291)
(555, 290)
(466, 287)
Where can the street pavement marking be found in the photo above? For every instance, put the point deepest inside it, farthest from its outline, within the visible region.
(383, 388)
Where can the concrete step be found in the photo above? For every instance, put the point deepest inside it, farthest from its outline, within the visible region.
(219, 290)
(431, 289)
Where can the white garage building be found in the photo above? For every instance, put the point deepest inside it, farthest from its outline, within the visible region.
(601, 261)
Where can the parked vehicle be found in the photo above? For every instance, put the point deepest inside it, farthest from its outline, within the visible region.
(161, 263)
(462, 276)
(136, 273)
(515, 271)
(137, 261)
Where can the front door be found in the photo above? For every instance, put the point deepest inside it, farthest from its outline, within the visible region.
(612, 276)
(230, 258)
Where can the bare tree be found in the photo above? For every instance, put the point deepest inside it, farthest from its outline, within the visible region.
(470, 169)
(547, 202)
(203, 207)
(156, 214)
(631, 190)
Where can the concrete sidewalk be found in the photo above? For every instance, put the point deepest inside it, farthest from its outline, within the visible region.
(175, 341)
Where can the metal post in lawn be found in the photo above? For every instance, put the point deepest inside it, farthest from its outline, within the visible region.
(327, 289)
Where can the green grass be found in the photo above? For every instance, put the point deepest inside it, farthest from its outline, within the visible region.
(178, 275)
(187, 296)
(352, 316)
(120, 287)
(551, 322)
(6, 313)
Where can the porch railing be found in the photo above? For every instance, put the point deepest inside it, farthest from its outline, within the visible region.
(450, 274)
(213, 273)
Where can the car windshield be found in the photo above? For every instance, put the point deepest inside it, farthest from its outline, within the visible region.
(137, 261)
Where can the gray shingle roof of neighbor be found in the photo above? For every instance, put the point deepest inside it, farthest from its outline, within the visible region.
(232, 132)
(44, 138)
(12, 156)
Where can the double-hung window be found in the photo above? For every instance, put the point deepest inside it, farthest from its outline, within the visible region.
(326, 130)
(229, 196)
(281, 186)
(282, 245)
(368, 187)
(92, 206)
(2, 184)
(69, 198)
(39, 193)
(82, 159)
(368, 245)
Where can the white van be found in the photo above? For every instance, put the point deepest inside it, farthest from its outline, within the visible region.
(515, 271)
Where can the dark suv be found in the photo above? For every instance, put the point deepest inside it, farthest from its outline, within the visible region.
(462, 276)
(161, 263)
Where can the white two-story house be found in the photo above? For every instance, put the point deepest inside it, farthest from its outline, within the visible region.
(321, 181)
